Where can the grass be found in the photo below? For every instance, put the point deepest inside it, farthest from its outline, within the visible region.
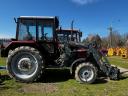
(60, 83)
(67, 87)
(2, 61)
(116, 60)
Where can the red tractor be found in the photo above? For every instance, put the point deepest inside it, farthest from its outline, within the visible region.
(37, 47)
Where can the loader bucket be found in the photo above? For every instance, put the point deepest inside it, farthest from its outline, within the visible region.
(114, 73)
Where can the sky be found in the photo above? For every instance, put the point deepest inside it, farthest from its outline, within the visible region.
(90, 16)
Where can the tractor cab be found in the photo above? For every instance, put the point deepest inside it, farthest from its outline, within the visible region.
(36, 28)
(35, 31)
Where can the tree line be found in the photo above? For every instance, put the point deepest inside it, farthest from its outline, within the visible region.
(114, 39)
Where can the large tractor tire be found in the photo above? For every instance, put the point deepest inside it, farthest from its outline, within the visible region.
(25, 64)
(86, 73)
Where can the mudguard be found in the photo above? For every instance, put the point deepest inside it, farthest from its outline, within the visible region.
(75, 63)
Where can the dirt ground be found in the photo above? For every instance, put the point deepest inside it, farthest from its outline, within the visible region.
(38, 88)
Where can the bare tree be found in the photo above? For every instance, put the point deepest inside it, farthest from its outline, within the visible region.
(92, 38)
(116, 39)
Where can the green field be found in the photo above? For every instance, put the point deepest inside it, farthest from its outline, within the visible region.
(2, 61)
(60, 83)
(115, 60)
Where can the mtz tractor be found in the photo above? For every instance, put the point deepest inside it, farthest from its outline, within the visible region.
(37, 47)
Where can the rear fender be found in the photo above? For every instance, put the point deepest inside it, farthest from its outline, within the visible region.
(14, 44)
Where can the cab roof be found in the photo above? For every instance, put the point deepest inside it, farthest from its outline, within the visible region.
(45, 18)
(38, 17)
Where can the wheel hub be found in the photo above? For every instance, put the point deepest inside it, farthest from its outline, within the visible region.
(86, 74)
(24, 64)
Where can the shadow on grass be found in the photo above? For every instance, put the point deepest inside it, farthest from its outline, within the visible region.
(4, 87)
(122, 77)
(62, 75)
(101, 80)
(2, 84)
(3, 78)
(55, 75)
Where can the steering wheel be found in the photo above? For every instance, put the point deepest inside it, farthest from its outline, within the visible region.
(44, 36)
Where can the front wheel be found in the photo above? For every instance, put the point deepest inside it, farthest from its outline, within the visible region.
(25, 64)
(86, 73)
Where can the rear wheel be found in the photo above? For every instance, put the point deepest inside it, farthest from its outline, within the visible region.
(25, 64)
(86, 73)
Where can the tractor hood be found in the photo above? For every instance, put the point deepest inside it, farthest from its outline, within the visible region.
(78, 46)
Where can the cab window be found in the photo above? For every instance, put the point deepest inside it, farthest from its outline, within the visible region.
(27, 31)
(45, 32)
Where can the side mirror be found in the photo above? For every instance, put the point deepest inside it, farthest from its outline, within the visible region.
(80, 34)
(15, 20)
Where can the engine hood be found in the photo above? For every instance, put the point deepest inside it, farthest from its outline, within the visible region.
(77, 46)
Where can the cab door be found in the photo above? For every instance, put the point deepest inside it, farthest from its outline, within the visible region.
(46, 37)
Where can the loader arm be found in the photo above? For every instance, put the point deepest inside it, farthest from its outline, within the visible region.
(102, 61)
